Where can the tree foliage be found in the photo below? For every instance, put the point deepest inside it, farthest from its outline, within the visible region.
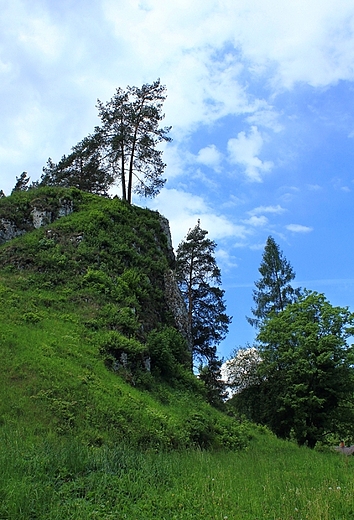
(199, 279)
(241, 369)
(306, 376)
(215, 387)
(82, 169)
(124, 149)
(129, 136)
(21, 182)
(274, 290)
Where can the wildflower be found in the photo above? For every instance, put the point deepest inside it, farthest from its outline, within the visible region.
(338, 487)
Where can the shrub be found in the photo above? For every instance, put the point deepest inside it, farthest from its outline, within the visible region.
(122, 352)
(168, 351)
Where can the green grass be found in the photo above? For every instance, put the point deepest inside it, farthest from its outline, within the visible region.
(81, 440)
(53, 378)
(74, 296)
(272, 479)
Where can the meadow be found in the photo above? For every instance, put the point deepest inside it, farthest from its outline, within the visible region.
(271, 479)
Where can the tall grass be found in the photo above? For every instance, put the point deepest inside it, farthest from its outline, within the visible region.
(64, 480)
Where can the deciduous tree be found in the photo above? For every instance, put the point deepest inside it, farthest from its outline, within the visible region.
(306, 371)
(240, 371)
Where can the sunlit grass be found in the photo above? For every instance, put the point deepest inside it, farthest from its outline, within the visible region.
(271, 480)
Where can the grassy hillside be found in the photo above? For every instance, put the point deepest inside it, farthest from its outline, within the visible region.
(82, 313)
(88, 434)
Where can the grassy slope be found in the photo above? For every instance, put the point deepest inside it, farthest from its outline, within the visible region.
(271, 480)
(63, 288)
(70, 427)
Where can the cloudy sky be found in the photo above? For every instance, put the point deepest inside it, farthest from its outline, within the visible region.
(261, 101)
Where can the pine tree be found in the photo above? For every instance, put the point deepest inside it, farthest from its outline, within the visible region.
(274, 290)
(129, 135)
(21, 182)
(123, 148)
(82, 169)
(199, 280)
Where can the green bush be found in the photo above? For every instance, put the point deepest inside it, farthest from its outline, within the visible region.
(122, 352)
(168, 352)
(201, 430)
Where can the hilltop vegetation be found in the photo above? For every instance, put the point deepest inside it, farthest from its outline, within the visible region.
(89, 345)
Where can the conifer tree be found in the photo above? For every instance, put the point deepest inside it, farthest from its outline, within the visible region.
(274, 290)
(123, 148)
(21, 182)
(129, 135)
(82, 169)
(199, 280)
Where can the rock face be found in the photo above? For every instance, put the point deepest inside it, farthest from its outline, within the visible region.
(165, 226)
(177, 306)
(173, 295)
(40, 217)
(8, 231)
(37, 218)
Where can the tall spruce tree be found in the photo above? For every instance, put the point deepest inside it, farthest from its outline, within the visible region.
(130, 134)
(274, 290)
(199, 279)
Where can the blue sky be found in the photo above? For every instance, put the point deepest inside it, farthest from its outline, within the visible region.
(261, 101)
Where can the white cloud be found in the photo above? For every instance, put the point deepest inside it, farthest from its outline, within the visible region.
(244, 150)
(257, 221)
(40, 37)
(338, 184)
(314, 187)
(257, 247)
(233, 202)
(266, 117)
(183, 210)
(267, 209)
(304, 40)
(298, 228)
(210, 156)
(225, 259)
